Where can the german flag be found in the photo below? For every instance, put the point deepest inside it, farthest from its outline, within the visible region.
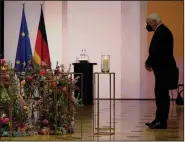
(41, 52)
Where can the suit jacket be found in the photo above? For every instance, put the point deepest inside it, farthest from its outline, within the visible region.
(161, 58)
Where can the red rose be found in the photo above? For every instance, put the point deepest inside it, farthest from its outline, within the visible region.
(42, 131)
(44, 121)
(53, 84)
(29, 78)
(43, 72)
(2, 61)
(6, 120)
(64, 89)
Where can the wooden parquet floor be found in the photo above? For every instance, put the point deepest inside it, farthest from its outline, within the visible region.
(130, 118)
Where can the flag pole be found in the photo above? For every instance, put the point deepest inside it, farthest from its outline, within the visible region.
(41, 41)
(23, 4)
(41, 4)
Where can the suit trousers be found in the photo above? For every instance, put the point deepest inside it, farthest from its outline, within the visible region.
(162, 95)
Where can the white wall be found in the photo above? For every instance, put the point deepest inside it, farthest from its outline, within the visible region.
(53, 21)
(96, 27)
(101, 27)
(12, 22)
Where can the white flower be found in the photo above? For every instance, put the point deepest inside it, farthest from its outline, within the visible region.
(3, 115)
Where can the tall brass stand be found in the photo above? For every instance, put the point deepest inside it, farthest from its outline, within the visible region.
(105, 130)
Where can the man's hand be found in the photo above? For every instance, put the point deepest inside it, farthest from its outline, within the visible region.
(148, 68)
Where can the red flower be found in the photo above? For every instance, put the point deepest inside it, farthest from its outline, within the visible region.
(64, 89)
(42, 131)
(2, 61)
(53, 84)
(44, 121)
(29, 78)
(43, 72)
(6, 120)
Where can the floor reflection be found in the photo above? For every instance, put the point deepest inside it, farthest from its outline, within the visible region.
(130, 117)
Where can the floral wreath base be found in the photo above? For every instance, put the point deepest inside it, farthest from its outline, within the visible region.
(6, 133)
(24, 130)
(43, 131)
(59, 131)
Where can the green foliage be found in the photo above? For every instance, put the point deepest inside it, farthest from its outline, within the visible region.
(42, 91)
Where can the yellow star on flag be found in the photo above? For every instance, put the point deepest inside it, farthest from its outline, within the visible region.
(17, 62)
(24, 64)
(23, 34)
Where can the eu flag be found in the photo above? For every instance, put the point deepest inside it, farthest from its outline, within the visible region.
(24, 52)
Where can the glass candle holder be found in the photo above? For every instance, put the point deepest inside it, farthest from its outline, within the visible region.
(105, 63)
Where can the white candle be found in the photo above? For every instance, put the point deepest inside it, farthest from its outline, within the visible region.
(105, 64)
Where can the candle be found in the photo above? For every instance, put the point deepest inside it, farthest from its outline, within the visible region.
(105, 64)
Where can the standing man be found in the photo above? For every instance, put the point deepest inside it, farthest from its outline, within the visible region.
(161, 61)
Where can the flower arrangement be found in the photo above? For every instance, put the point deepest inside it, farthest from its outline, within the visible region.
(44, 102)
(10, 108)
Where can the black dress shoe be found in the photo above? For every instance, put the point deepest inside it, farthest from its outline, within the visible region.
(158, 125)
(150, 123)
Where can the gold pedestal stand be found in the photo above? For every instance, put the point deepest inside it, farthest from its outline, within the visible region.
(105, 130)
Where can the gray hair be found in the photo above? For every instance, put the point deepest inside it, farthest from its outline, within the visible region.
(155, 17)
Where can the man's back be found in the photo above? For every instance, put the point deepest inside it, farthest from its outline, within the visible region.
(161, 49)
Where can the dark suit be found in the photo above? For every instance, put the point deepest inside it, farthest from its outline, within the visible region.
(163, 64)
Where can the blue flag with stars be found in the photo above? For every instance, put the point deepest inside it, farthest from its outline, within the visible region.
(24, 52)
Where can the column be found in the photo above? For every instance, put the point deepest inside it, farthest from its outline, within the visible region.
(134, 49)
